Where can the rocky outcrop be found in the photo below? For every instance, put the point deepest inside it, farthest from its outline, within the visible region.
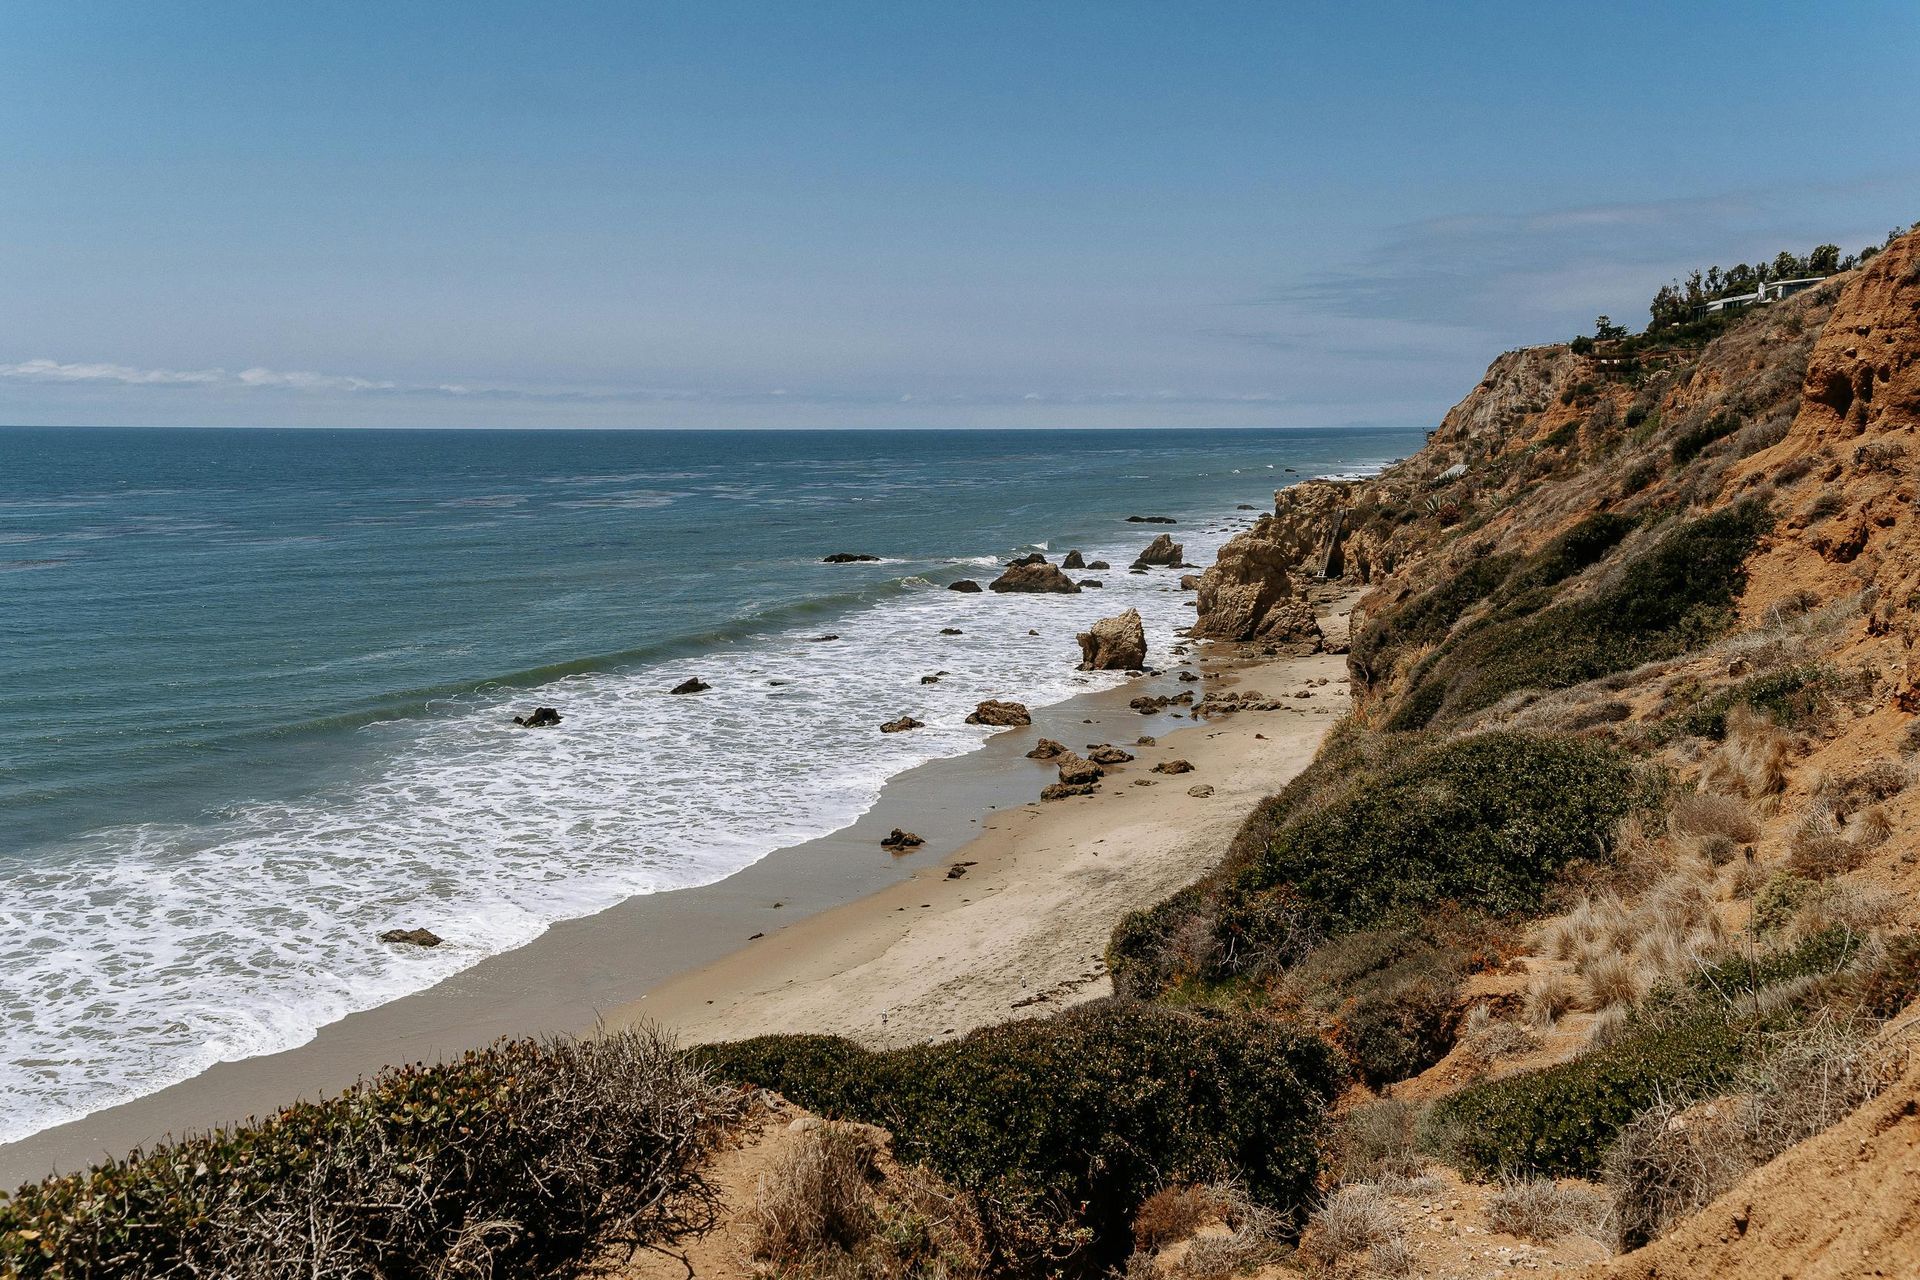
(1034, 576)
(1118, 643)
(1073, 561)
(1163, 551)
(1001, 715)
(540, 718)
(1248, 594)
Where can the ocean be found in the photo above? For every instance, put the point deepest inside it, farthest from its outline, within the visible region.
(260, 686)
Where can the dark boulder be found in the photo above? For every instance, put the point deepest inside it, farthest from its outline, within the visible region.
(1001, 715)
(903, 724)
(412, 937)
(849, 557)
(901, 841)
(542, 718)
(964, 584)
(1073, 560)
(1151, 520)
(693, 685)
(1163, 551)
(1034, 578)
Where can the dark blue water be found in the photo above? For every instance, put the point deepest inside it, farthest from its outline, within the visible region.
(265, 673)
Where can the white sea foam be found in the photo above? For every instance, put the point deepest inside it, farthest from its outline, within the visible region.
(141, 956)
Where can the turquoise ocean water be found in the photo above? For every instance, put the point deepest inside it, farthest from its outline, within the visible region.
(259, 688)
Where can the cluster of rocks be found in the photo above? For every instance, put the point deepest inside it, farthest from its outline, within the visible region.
(1225, 704)
(1147, 703)
(1032, 575)
(900, 841)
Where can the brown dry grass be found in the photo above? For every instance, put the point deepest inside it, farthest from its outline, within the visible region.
(1754, 760)
(1704, 814)
(1542, 1210)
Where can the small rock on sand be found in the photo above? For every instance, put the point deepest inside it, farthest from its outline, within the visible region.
(1047, 749)
(1109, 755)
(1076, 769)
(1201, 790)
(1062, 790)
(901, 841)
(1173, 766)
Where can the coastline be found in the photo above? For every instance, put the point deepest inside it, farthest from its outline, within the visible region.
(845, 936)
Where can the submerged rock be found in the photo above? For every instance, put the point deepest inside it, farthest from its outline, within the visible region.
(1118, 643)
(849, 557)
(1000, 714)
(412, 937)
(1151, 520)
(692, 685)
(542, 718)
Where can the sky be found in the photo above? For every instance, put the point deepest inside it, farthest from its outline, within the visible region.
(716, 214)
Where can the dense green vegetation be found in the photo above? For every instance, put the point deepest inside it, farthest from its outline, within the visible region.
(1671, 598)
(529, 1158)
(1791, 696)
(1381, 832)
(1061, 1127)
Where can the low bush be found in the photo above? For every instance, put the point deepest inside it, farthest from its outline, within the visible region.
(1447, 824)
(1061, 1127)
(1670, 598)
(1560, 1121)
(1388, 998)
(528, 1158)
(1792, 697)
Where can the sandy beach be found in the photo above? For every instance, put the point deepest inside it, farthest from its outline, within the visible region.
(1023, 930)
(835, 934)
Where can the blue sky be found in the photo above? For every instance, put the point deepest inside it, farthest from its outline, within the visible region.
(894, 214)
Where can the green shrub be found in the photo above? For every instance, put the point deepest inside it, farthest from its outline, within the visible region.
(1449, 824)
(1888, 986)
(1389, 998)
(1778, 898)
(1824, 954)
(1560, 1121)
(1689, 444)
(528, 1158)
(1791, 697)
(1669, 599)
(1062, 1127)
(1426, 618)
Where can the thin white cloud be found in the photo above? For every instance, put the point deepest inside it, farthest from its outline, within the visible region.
(117, 374)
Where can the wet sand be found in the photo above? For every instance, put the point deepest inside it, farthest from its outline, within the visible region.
(852, 939)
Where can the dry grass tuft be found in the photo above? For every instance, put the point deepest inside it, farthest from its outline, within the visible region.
(1611, 980)
(1701, 814)
(1542, 1210)
(1550, 995)
(1355, 1217)
(830, 1209)
(1752, 761)
(1253, 1236)
(1175, 1213)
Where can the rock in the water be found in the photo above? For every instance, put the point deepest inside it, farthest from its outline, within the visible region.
(1109, 755)
(964, 584)
(902, 725)
(849, 557)
(900, 841)
(1118, 643)
(1151, 520)
(1032, 557)
(1246, 506)
(1145, 740)
(1034, 578)
(692, 685)
(1062, 790)
(929, 679)
(1173, 766)
(951, 631)
(1163, 550)
(1047, 749)
(1075, 770)
(1189, 582)
(1091, 584)
(1001, 715)
(1073, 560)
(542, 718)
(412, 937)
(1200, 790)
(1099, 564)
